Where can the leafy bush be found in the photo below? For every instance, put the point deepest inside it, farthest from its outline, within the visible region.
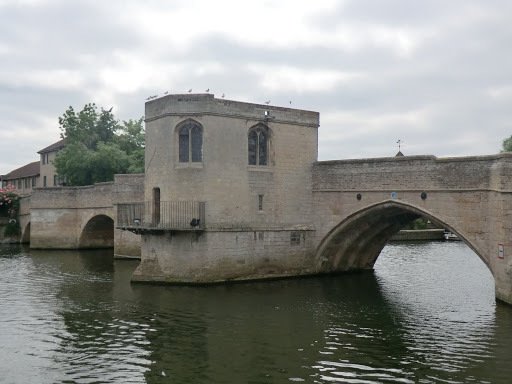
(420, 223)
(9, 201)
(12, 229)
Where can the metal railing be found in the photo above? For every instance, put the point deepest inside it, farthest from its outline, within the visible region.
(162, 215)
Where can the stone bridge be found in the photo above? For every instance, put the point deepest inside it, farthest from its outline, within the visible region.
(356, 206)
(81, 217)
(361, 204)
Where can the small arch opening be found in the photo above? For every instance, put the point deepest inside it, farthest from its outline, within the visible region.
(25, 237)
(98, 233)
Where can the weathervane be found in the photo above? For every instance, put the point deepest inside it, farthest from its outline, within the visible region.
(399, 142)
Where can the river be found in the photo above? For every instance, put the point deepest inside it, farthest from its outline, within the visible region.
(426, 314)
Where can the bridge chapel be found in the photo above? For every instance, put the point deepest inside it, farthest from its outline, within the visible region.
(228, 190)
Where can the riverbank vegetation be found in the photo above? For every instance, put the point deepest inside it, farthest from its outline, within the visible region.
(9, 207)
(9, 201)
(418, 224)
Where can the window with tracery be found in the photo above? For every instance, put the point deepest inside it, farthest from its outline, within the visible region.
(190, 137)
(258, 146)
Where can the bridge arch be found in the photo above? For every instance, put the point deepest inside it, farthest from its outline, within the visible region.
(98, 232)
(356, 242)
(25, 234)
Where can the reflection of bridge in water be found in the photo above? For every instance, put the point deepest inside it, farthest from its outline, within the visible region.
(358, 205)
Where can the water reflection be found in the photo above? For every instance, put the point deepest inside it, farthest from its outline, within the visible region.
(73, 316)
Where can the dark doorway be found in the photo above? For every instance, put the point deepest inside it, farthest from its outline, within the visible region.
(156, 207)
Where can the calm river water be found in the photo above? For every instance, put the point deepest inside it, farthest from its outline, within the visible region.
(427, 314)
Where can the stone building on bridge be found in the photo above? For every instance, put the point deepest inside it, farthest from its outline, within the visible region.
(228, 190)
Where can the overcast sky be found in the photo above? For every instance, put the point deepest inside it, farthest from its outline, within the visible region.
(435, 74)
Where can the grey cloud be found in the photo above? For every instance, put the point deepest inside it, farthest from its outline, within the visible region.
(56, 34)
(461, 52)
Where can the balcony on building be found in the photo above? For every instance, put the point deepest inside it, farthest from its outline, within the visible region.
(153, 217)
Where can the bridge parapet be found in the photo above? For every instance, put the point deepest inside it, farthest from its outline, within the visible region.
(493, 172)
(97, 195)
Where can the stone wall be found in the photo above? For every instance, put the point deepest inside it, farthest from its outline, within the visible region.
(127, 189)
(419, 235)
(216, 256)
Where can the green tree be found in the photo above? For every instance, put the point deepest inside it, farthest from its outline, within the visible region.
(132, 140)
(507, 145)
(98, 147)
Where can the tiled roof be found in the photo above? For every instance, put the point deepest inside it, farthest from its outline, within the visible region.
(28, 170)
(59, 144)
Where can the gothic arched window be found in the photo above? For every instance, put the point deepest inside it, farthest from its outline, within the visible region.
(190, 138)
(258, 146)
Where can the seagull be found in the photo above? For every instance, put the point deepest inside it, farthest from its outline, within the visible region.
(190, 90)
(208, 90)
(222, 95)
(267, 102)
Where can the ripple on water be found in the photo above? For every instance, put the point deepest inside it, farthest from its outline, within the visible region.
(422, 328)
(74, 317)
